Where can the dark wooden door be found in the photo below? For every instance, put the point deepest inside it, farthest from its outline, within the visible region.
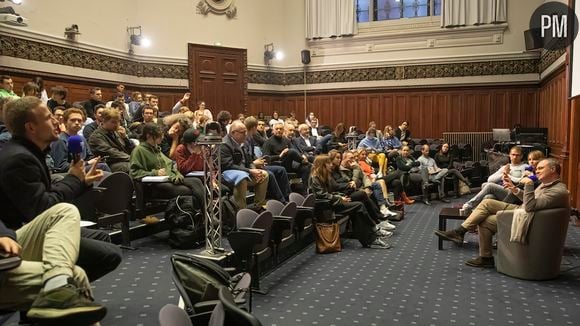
(217, 76)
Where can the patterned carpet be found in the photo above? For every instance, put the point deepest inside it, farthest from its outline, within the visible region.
(411, 284)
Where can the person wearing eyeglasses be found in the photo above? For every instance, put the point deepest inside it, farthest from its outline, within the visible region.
(238, 168)
(515, 170)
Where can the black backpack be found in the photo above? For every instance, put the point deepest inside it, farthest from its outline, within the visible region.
(186, 228)
(199, 280)
(229, 210)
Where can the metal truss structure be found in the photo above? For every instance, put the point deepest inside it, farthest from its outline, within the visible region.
(212, 201)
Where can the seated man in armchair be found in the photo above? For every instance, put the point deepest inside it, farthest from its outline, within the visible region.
(552, 193)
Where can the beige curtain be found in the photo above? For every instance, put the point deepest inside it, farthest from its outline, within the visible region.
(473, 12)
(330, 18)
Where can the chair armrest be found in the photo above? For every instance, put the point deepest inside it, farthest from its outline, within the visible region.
(249, 238)
(249, 229)
(284, 222)
(201, 318)
(205, 306)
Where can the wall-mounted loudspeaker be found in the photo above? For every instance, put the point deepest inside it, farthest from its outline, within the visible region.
(533, 39)
(305, 55)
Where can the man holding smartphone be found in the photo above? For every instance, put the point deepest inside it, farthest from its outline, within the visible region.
(25, 187)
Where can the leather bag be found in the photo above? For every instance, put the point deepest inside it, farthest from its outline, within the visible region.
(328, 238)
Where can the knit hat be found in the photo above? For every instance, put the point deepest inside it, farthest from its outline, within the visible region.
(190, 135)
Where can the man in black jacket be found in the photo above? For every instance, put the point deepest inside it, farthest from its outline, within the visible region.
(26, 189)
(96, 98)
(305, 143)
(279, 147)
(238, 169)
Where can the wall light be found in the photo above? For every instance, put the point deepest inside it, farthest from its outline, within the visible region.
(136, 38)
(16, 2)
(72, 32)
(270, 53)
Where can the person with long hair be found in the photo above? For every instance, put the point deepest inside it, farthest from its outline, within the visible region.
(338, 137)
(324, 187)
(349, 178)
(147, 159)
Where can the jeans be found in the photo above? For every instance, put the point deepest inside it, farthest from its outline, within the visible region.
(278, 185)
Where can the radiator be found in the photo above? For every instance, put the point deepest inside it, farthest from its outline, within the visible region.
(475, 139)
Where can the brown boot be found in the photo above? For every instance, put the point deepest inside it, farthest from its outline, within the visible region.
(407, 200)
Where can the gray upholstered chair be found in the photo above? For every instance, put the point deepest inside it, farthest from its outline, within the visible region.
(540, 259)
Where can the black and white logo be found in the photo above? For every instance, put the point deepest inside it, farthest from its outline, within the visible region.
(555, 24)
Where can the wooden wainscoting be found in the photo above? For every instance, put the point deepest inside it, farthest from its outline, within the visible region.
(430, 112)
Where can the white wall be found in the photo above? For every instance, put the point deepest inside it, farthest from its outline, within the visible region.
(169, 24)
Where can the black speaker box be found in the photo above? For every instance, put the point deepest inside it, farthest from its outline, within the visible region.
(305, 56)
(533, 39)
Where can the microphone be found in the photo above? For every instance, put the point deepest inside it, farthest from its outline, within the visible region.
(75, 148)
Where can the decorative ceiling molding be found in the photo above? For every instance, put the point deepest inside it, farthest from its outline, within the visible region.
(413, 36)
(220, 7)
(549, 57)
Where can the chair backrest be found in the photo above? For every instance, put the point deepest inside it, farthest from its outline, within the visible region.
(172, 315)
(264, 221)
(274, 206)
(234, 315)
(309, 201)
(289, 210)
(297, 198)
(118, 194)
(245, 217)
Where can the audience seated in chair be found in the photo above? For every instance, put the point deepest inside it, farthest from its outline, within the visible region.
(551, 193)
(279, 148)
(148, 160)
(73, 119)
(432, 173)
(409, 172)
(110, 141)
(304, 143)
(238, 168)
(278, 183)
(26, 190)
(347, 185)
(445, 160)
(48, 283)
(375, 151)
(96, 98)
(324, 187)
(403, 133)
(516, 171)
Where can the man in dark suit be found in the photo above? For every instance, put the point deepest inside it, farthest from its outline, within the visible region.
(238, 168)
(25, 184)
(304, 143)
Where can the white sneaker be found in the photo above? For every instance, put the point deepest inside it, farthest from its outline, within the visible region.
(379, 175)
(383, 233)
(379, 244)
(387, 212)
(385, 225)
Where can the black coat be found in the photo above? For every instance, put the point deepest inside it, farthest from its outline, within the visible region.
(233, 157)
(25, 186)
(302, 147)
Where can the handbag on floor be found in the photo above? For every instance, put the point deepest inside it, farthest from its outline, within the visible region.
(399, 208)
(328, 238)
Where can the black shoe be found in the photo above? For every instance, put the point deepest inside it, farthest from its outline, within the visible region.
(450, 235)
(69, 305)
(426, 202)
(484, 262)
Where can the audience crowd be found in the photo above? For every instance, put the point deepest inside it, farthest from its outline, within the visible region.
(129, 134)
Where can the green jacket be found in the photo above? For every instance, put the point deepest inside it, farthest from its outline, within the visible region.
(5, 93)
(147, 160)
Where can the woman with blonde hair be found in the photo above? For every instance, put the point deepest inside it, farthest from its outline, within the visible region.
(324, 187)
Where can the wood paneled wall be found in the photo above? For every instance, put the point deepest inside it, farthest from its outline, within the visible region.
(430, 112)
(78, 90)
